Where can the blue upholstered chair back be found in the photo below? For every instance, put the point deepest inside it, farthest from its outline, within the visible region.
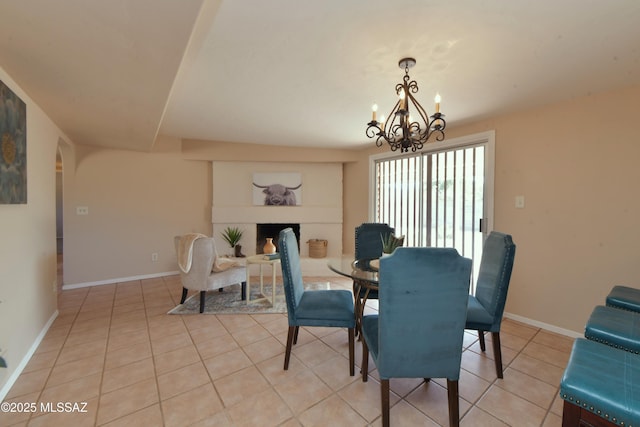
(422, 313)
(368, 240)
(291, 272)
(496, 264)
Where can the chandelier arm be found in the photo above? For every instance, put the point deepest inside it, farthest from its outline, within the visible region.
(373, 129)
(413, 86)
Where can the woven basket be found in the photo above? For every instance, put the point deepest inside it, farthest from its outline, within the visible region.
(317, 248)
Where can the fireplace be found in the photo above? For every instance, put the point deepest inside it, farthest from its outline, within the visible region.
(273, 230)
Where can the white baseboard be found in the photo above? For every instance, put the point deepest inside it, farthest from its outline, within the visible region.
(23, 363)
(118, 280)
(310, 267)
(545, 326)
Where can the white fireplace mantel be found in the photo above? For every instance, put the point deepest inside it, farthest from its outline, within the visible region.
(319, 215)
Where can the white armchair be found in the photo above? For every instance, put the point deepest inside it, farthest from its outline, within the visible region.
(197, 274)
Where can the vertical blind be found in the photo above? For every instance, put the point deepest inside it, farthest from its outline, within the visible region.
(434, 199)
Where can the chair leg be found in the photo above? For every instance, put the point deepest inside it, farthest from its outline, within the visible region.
(454, 406)
(356, 304)
(243, 291)
(295, 336)
(384, 394)
(365, 362)
(481, 340)
(184, 295)
(497, 353)
(351, 351)
(202, 296)
(290, 342)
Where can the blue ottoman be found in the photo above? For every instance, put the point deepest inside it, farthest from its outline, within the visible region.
(601, 386)
(624, 297)
(614, 327)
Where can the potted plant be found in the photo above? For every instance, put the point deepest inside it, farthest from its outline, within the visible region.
(390, 242)
(232, 236)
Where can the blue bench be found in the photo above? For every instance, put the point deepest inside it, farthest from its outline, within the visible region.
(624, 297)
(600, 386)
(614, 327)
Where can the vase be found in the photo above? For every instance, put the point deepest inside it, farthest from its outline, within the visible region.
(269, 247)
(238, 251)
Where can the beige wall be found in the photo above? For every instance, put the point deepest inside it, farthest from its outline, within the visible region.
(137, 202)
(28, 246)
(576, 163)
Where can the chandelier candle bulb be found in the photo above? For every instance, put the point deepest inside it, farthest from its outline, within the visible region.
(374, 109)
(438, 99)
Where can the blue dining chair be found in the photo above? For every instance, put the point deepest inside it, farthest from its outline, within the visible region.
(486, 307)
(420, 326)
(328, 308)
(368, 239)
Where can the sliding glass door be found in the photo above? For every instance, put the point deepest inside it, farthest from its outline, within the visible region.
(440, 197)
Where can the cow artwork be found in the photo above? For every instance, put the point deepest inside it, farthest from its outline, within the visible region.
(278, 194)
(277, 188)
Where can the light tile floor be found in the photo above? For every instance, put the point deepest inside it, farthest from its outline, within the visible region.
(115, 348)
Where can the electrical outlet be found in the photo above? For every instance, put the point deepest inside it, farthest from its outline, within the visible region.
(154, 257)
(82, 210)
(520, 202)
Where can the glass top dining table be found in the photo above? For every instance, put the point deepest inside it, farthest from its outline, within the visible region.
(363, 270)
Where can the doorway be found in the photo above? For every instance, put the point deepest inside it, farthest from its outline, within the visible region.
(441, 197)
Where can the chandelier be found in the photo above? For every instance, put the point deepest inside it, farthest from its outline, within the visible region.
(401, 131)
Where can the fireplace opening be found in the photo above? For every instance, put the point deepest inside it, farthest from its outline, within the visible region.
(273, 230)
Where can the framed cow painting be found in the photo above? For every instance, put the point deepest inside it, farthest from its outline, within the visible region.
(277, 189)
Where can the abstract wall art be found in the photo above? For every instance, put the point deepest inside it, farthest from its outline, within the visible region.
(13, 158)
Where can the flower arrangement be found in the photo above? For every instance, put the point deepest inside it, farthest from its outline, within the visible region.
(390, 242)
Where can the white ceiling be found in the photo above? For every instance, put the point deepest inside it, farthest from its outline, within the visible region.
(117, 73)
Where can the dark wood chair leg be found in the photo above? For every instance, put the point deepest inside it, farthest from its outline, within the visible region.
(287, 353)
(220, 289)
(356, 304)
(184, 295)
(365, 362)
(202, 296)
(295, 336)
(497, 353)
(454, 404)
(384, 394)
(481, 340)
(570, 415)
(351, 351)
(243, 291)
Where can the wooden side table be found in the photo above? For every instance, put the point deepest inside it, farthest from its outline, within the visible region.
(259, 260)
